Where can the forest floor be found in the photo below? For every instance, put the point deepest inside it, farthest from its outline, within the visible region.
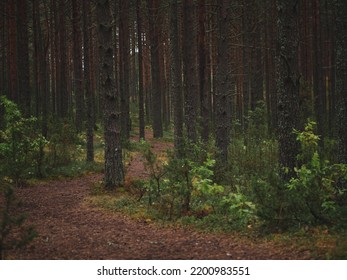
(69, 227)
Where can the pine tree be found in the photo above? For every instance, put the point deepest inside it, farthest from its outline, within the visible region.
(287, 84)
(114, 174)
(176, 79)
(341, 78)
(223, 77)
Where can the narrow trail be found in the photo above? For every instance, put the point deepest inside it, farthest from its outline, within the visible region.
(69, 228)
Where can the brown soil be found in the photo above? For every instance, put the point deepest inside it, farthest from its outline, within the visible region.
(70, 228)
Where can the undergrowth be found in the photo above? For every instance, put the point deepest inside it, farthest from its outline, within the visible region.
(252, 198)
(25, 153)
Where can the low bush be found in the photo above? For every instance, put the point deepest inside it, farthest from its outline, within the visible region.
(314, 196)
(180, 188)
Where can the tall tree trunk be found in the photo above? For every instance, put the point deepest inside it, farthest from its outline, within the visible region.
(3, 60)
(124, 46)
(42, 73)
(12, 51)
(190, 69)
(256, 70)
(287, 85)
(153, 6)
(94, 71)
(246, 59)
(223, 78)
(140, 65)
(63, 97)
(318, 86)
(270, 81)
(3, 54)
(77, 64)
(330, 66)
(87, 83)
(114, 174)
(164, 94)
(23, 57)
(268, 69)
(57, 80)
(176, 80)
(147, 76)
(341, 78)
(203, 76)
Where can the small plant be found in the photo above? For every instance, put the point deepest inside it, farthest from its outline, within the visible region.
(239, 209)
(155, 167)
(13, 233)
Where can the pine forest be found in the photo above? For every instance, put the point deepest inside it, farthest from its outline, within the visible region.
(148, 129)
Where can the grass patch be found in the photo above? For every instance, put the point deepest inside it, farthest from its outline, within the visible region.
(320, 241)
(120, 201)
(76, 169)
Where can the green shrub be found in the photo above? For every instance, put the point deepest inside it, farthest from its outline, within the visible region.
(239, 209)
(21, 145)
(313, 196)
(317, 186)
(186, 187)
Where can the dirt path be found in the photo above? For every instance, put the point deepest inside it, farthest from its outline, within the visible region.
(68, 228)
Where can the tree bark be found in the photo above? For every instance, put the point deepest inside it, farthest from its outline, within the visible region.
(318, 87)
(190, 69)
(63, 98)
(341, 78)
(87, 84)
(140, 65)
(114, 174)
(287, 85)
(176, 80)
(41, 83)
(12, 51)
(203, 76)
(153, 7)
(77, 64)
(124, 46)
(23, 57)
(223, 79)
